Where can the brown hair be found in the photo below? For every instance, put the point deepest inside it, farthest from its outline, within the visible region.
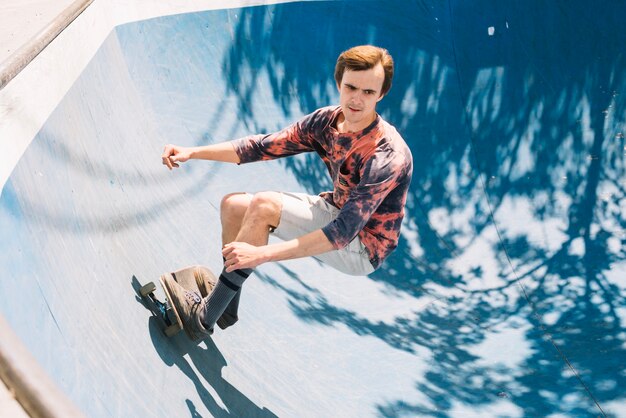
(365, 57)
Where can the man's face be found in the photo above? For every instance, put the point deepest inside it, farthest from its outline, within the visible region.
(359, 92)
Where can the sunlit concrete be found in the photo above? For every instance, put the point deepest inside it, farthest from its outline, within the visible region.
(505, 296)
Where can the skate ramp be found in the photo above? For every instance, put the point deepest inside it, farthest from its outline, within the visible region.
(505, 297)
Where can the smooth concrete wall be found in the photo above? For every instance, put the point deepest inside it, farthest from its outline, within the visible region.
(27, 101)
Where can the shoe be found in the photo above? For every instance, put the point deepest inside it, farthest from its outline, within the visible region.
(196, 278)
(187, 304)
(205, 280)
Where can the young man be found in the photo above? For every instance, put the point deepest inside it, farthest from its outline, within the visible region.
(353, 228)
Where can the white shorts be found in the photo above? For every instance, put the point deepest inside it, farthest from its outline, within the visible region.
(303, 213)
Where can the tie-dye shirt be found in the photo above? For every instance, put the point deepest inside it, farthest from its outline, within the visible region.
(371, 171)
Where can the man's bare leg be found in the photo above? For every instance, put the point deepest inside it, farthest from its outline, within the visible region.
(246, 218)
(232, 210)
(262, 215)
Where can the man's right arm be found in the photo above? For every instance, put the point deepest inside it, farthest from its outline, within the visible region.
(175, 154)
(288, 141)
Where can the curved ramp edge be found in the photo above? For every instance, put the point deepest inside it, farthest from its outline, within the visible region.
(36, 393)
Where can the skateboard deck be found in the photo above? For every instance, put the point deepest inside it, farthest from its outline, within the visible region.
(192, 278)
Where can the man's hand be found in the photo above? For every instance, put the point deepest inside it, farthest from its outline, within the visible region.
(240, 255)
(173, 154)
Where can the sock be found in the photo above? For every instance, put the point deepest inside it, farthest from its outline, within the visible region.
(229, 317)
(228, 285)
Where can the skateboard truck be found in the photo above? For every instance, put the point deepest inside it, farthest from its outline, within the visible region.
(161, 309)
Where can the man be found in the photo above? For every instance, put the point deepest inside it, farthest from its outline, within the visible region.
(353, 228)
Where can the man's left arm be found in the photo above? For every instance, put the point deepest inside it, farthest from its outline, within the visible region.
(240, 255)
(380, 177)
(337, 234)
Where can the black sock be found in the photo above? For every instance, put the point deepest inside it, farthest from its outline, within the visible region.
(227, 287)
(230, 316)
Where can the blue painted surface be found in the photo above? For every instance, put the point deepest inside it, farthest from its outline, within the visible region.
(506, 296)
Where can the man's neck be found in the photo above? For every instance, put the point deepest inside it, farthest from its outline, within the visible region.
(343, 126)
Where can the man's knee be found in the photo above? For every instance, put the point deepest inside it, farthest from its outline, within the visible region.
(234, 206)
(267, 205)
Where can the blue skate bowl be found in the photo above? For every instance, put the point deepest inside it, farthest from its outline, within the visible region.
(505, 297)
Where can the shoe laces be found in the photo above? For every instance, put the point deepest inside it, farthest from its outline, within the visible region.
(192, 298)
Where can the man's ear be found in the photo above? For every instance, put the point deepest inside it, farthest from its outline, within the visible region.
(380, 98)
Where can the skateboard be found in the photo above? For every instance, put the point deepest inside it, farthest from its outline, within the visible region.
(191, 278)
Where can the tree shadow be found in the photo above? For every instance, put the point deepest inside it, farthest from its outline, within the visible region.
(79, 159)
(515, 115)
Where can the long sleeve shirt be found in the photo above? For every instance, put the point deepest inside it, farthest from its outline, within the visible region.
(370, 170)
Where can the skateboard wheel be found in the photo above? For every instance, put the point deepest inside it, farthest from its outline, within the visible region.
(147, 289)
(172, 330)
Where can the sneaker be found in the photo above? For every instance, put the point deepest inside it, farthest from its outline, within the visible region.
(196, 278)
(205, 280)
(187, 304)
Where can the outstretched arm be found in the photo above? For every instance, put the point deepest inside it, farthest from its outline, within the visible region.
(288, 141)
(174, 154)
